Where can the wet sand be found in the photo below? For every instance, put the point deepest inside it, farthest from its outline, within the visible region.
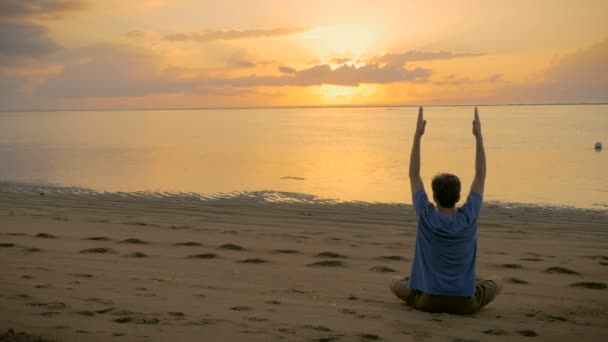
(122, 267)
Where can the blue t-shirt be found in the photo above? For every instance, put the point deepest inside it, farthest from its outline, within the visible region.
(446, 248)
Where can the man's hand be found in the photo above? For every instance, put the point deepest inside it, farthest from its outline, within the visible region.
(421, 123)
(476, 124)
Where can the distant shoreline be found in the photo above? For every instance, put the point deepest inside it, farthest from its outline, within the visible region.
(306, 106)
(24, 190)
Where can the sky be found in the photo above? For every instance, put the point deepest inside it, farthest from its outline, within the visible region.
(120, 54)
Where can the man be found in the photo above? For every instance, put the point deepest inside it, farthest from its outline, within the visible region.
(442, 278)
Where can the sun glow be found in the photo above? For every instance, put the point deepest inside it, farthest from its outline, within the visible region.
(338, 94)
(342, 39)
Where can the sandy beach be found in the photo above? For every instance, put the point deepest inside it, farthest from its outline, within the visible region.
(120, 267)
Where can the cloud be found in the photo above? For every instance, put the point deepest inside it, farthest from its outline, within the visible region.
(344, 75)
(39, 9)
(341, 60)
(25, 39)
(581, 76)
(112, 71)
(214, 35)
(453, 80)
(287, 70)
(416, 56)
(20, 37)
(241, 59)
(136, 34)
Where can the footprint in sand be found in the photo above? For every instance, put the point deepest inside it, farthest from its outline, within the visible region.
(231, 247)
(603, 263)
(513, 280)
(381, 269)
(511, 266)
(392, 257)
(329, 255)
(369, 337)
(531, 259)
(561, 270)
(241, 308)
(545, 317)
(527, 333)
(327, 263)
(134, 241)
(103, 311)
(33, 249)
(495, 331)
(189, 244)
(285, 251)
(318, 328)
(85, 313)
(50, 313)
(81, 275)
(137, 320)
(101, 250)
(203, 256)
(252, 261)
(273, 302)
(329, 339)
(589, 285)
(137, 255)
(98, 238)
(100, 301)
(50, 306)
(45, 236)
(7, 245)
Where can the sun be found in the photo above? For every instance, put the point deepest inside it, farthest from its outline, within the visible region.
(335, 94)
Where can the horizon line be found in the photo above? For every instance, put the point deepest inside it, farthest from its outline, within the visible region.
(309, 106)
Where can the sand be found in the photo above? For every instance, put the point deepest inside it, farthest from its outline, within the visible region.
(121, 267)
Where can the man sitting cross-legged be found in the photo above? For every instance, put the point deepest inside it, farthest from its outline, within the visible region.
(442, 278)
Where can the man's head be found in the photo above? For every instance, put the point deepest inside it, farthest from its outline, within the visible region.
(446, 190)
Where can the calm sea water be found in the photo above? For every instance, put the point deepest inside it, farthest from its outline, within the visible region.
(536, 154)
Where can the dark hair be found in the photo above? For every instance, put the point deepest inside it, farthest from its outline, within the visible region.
(446, 189)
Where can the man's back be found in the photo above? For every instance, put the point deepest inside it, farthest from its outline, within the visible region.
(446, 248)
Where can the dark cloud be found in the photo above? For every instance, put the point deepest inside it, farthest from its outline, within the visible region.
(453, 80)
(344, 75)
(25, 39)
(287, 70)
(20, 37)
(581, 76)
(341, 60)
(214, 35)
(416, 56)
(136, 34)
(241, 59)
(40, 9)
(112, 71)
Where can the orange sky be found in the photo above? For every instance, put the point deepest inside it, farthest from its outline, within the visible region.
(68, 54)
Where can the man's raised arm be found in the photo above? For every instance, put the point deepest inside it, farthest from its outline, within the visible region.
(415, 179)
(480, 158)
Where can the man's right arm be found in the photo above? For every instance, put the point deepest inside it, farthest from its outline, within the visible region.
(480, 158)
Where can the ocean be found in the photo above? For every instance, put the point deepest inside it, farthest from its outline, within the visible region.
(540, 154)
